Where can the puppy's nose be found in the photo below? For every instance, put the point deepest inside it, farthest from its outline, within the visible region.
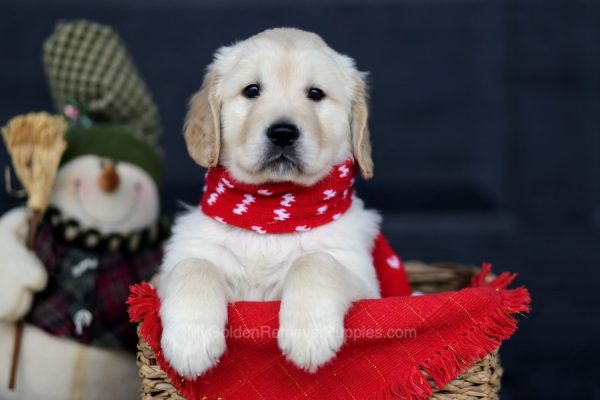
(283, 134)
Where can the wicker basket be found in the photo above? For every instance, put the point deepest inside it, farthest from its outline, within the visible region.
(481, 381)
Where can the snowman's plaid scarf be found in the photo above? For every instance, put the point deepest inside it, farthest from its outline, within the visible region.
(89, 279)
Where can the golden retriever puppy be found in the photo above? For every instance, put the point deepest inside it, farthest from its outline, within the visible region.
(280, 106)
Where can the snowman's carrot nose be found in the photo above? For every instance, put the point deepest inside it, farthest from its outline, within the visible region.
(109, 179)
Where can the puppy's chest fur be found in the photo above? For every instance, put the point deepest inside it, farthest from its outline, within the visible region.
(255, 265)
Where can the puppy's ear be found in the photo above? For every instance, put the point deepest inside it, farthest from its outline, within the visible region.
(361, 138)
(202, 128)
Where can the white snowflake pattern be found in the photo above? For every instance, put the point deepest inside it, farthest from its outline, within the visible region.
(344, 171)
(227, 183)
(242, 208)
(264, 192)
(82, 319)
(336, 216)
(258, 229)
(281, 214)
(321, 210)
(288, 199)
(329, 194)
(221, 220)
(83, 266)
(345, 194)
(220, 188)
(212, 199)
(302, 228)
(393, 262)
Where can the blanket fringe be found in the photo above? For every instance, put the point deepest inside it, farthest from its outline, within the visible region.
(139, 301)
(480, 340)
(143, 307)
(411, 386)
(500, 282)
(475, 344)
(487, 336)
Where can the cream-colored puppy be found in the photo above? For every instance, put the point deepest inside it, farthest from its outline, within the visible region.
(289, 81)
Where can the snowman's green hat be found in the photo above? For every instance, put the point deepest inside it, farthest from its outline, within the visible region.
(115, 142)
(96, 86)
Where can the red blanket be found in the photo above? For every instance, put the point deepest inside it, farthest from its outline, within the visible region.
(388, 343)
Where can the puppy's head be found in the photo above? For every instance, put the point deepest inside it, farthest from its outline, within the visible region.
(280, 106)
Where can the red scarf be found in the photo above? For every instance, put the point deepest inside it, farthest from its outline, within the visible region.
(278, 207)
(287, 207)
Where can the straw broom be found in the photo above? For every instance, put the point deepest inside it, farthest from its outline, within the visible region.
(35, 142)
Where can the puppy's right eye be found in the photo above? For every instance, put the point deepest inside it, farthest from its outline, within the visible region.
(251, 91)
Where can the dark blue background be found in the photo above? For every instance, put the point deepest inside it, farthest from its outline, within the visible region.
(486, 130)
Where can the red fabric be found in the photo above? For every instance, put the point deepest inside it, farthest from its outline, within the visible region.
(393, 280)
(388, 343)
(278, 207)
(287, 208)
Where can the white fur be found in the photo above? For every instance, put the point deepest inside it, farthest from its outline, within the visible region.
(316, 273)
(255, 265)
(57, 368)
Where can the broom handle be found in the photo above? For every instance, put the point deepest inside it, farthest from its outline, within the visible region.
(15, 355)
(34, 222)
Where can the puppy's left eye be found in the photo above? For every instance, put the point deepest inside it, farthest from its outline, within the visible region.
(315, 94)
(251, 91)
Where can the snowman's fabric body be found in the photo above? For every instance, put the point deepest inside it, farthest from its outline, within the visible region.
(102, 234)
(78, 342)
(55, 368)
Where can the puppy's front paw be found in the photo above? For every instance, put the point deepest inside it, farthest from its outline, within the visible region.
(192, 348)
(309, 343)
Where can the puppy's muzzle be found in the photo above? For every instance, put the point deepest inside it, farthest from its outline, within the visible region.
(283, 134)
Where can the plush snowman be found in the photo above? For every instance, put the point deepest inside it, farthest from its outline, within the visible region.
(102, 232)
